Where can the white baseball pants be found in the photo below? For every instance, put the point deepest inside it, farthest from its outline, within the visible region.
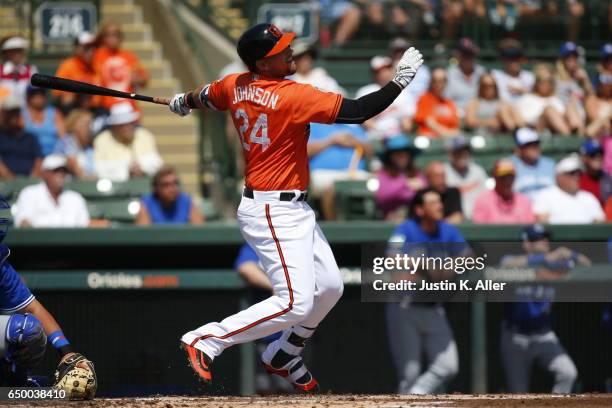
(299, 263)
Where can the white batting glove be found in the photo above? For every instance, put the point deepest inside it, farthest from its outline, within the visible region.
(178, 105)
(407, 67)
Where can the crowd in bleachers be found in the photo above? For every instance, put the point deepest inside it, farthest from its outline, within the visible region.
(47, 140)
(443, 19)
(461, 105)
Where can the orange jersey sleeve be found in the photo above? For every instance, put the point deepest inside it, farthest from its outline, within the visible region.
(215, 94)
(310, 104)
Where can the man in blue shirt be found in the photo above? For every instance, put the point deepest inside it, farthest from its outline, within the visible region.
(533, 171)
(414, 327)
(20, 152)
(527, 335)
(335, 152)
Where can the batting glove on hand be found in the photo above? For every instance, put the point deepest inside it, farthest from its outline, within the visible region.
(407, 67)
(178, 105)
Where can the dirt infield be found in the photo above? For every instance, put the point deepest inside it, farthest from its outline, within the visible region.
(342, 401)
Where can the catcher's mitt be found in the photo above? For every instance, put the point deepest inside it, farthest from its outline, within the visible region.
(76, 375)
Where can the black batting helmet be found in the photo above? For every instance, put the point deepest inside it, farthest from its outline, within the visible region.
(261, 41)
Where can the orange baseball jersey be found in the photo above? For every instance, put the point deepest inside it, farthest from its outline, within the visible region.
(272, 117)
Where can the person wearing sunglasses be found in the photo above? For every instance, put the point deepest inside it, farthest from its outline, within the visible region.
(167, 204)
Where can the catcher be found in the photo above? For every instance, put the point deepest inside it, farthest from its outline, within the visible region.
(25, 329)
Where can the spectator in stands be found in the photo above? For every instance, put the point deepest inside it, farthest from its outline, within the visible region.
(48, 204)
(20, 153)
(572, 80)
(487, 113)
(77, 144)
(542, 109)
(451, 197)
(593, 179)
(124, 149)
(462, 173)
(167, 204)
(397, 118)
(79, 67)
(605, 64)
(420, 83)
(502, 205)
(118, 68)
(15, 72)
(565, 202)
(305, 55)
(336, 153)
(502, 13)
(399, 179)
(512, 81)
(533, 171)
(464, 77)
(599, 109)
(43, 120)
(346, 13)
(437, 116)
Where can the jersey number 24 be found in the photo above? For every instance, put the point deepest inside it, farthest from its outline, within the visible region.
(261, 126)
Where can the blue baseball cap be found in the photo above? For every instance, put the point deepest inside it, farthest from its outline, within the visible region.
(400, 142)
(458, 143)
(591, 147)
(535, 232)
(606, 51)
(567, 49)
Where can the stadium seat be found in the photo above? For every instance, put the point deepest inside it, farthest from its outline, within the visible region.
(354, 201)
(209, 211)
(10, 189)
(122, 210)
(98, 189)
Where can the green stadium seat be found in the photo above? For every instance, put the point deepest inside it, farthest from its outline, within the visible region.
(564, 144)
(354, 201)
(209, 211)
(121, 210)
(99, 189)
(10, 189)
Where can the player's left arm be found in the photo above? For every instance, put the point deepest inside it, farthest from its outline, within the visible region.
(75, 373)
(361, 109)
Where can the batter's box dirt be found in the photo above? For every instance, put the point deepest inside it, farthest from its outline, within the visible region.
(342, 401)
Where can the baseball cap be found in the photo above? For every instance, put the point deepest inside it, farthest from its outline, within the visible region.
(503, 167)
(457, 143)
(400, 142)
(32, 90)
(122, 113)
(85, 38)
(301, 48)
(568, 48)
(591, 147)
(525, 136)
(606, 51)
(510, 48)
(568, 164)
(535, 232)
(54, 162)
(15, 43)
(398, 44)
(467, 47)
(11, 102)
(379, 62)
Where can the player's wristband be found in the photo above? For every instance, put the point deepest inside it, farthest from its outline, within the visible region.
(190, 101)
(536, 259)
(59, 342)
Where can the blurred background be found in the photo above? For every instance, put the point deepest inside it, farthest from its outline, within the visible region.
(509, 121)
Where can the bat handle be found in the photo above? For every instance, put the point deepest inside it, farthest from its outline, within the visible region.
(161, 100)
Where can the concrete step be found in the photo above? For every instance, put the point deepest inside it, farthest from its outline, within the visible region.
(116, 2)
(121, 13)
(146, 51)
(136, 32)
(168, 129)
(181, 159)
(176, 149)
(176, 140)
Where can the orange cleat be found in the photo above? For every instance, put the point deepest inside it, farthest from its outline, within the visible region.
(199, 362)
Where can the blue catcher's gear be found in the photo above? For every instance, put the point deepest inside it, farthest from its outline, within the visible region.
(26, 341)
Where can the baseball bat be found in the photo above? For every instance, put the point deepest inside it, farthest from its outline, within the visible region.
(63, 84)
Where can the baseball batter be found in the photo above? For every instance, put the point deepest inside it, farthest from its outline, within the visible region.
(272, 115)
